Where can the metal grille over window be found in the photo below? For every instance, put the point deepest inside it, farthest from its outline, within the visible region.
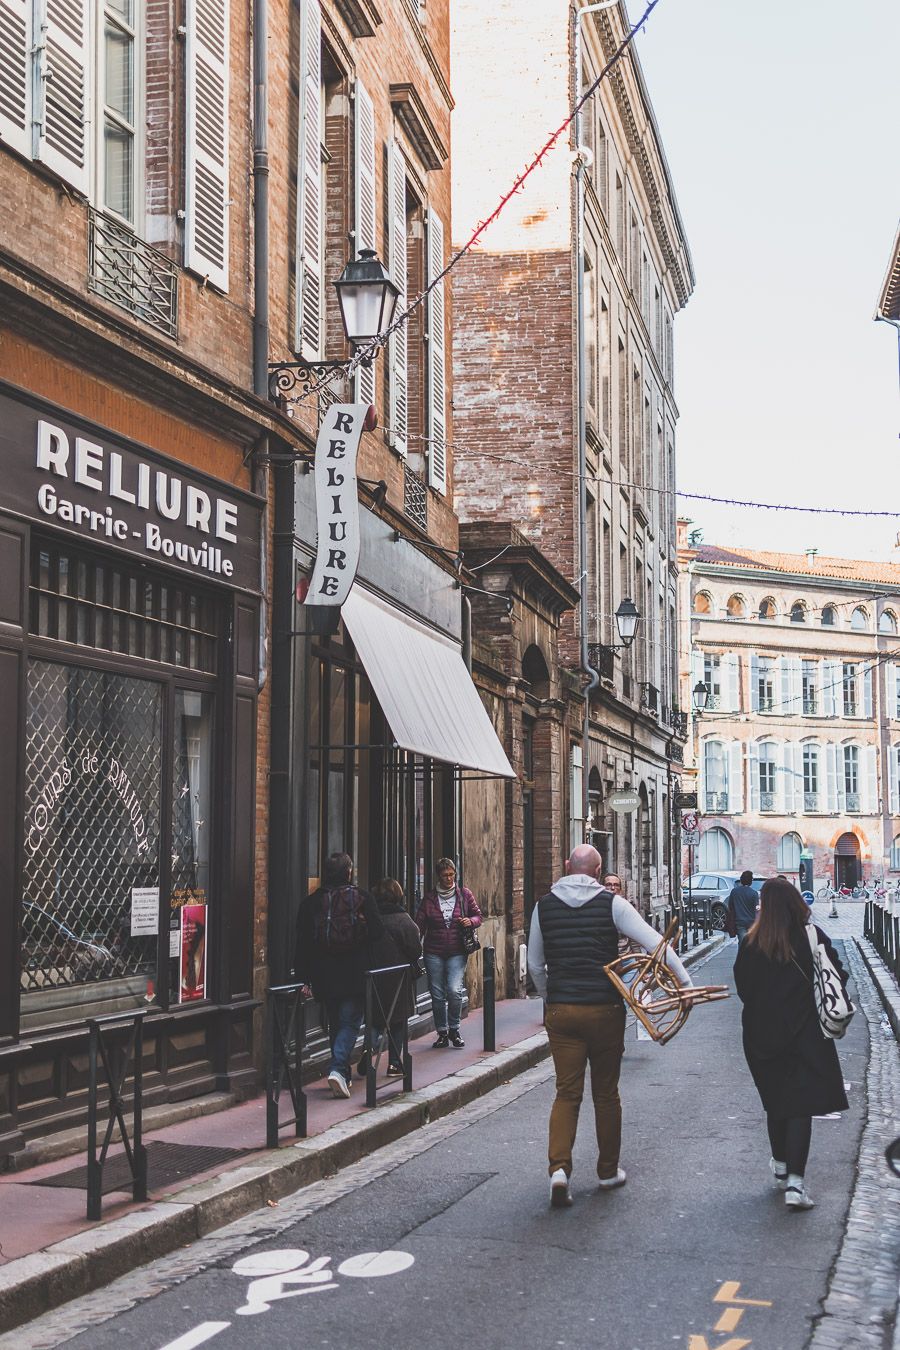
(132, 275)
(74, 598)
(415, 498)
(92, 813)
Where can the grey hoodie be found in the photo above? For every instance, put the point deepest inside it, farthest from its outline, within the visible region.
(577, 890)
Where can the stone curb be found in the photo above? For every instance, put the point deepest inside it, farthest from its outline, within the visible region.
(883, 981)
(32, 1285)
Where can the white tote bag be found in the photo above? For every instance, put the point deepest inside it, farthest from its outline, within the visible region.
(833, 1007)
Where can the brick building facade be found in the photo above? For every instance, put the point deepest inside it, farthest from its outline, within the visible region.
(517, 412)
(799, 746)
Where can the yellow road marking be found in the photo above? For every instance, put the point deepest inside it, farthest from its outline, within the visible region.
(729, 1319)
(727, 1293)
(701, 1343)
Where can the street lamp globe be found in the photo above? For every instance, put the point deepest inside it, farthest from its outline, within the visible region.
(367, 298)
(627, 618)
(701, 696)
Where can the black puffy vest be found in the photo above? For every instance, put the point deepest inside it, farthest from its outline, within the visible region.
(578, 943)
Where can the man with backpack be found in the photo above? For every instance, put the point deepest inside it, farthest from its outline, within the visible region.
(337, 926)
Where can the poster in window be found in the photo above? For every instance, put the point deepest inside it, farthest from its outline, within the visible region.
(193, 953)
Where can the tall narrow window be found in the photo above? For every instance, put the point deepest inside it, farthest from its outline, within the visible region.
(604, 368)
(767, 777)
(810, 684)
(850, 689)
(712, 678)
(766, 684)
(590, 339)
(119, 112)
(811, 778)
(715, 777)
(851, 777)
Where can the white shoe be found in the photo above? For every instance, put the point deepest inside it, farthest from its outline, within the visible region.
(338, 1084)
(779, 1172)
(610, 1183)
(795, 1195)
(560, 1195)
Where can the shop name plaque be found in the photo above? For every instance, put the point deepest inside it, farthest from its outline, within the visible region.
(103, 489)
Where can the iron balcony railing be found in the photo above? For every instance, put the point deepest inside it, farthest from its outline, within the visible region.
(850, 707)
(676, 752)
(767, 801)
(810, 801)
(132, 274)
(766, 704)
(415, 498)
(650, 697)
(678, 721)
(810, 707)
(852, 801)
(716, 803)
(603, 660)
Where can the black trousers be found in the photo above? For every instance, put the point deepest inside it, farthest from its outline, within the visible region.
(790, 1138)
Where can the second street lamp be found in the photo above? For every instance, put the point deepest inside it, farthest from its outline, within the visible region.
(627, 619)
(701, 696)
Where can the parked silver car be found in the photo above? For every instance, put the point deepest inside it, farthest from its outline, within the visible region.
(712, 890)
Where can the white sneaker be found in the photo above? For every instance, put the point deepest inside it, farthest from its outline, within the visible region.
(610, 1183)
(338, 1084)
(795, 1195)
(560, 1195)
(779, 1172)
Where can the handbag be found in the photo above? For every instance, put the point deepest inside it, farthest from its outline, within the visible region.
(470, 940)
(833, 1008)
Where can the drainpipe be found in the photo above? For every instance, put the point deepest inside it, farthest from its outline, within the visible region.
(593, 678)
(261, 289)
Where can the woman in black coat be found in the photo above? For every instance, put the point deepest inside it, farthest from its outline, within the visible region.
(794, 1065)
(400, 944)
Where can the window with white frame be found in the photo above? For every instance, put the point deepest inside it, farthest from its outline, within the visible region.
(716, 852)
(859, 619)
(712, 678)
(766, 769)
(788, 857)
(887, 623)
(765, 684)
(118, 67)
(851, 777)
(850, 684)
(715, 776)
(809, 679)
(811, 778)
(895, 854)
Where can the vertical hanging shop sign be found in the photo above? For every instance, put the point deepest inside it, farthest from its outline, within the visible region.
(337, 504)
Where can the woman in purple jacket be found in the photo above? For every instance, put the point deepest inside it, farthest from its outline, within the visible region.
(442, 915)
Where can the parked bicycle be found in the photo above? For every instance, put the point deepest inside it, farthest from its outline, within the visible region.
(829, 892)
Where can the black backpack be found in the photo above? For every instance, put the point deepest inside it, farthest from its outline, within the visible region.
(340, 924)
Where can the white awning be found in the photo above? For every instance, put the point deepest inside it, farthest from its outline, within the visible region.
(422, 684)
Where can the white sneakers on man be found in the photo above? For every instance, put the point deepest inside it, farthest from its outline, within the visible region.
(338, 1084)
(610, 1183)
(560, 1195)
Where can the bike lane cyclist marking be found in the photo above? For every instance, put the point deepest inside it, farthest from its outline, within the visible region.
(729, 1318)
(275, 1275)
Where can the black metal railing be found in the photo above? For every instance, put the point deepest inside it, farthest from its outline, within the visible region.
(114, 1042)
(415, 498)
(678, 721)
(850, 706)
(650, 697)
(810, 707)
(285, 1033)
(132, 274)
(766, 703)
(387, 1002)
(767, 801)
(852, 801)
(882, 928)
(676, 752)
(716, 802)
(602, 659)
(810, 801)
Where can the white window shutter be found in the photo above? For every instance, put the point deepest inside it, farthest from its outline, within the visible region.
(894, 780)
(753, 774)
(15, 75)
(754, 682)
(61, 89)
(890, 689)
(839, 778)
(797, 777)
(437, 381)
(309, 280)
(796, 685)
(364, 208)
(735, 777)
(787, 706)
(866, 709)
(397, 343)
(869, 784)
(206, 204)
(832, 687)
(787, 801)
(831, 776)
(732, 689)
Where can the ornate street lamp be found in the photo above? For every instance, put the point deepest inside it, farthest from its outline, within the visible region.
(627, 618)
(700, 695)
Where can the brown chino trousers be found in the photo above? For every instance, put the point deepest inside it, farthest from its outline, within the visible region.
(582, 1034)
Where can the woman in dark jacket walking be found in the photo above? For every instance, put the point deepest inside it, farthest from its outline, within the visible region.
(399, 945)
(441, 917)
(794, 1065)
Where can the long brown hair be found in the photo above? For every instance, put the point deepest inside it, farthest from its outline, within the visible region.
(782, 917)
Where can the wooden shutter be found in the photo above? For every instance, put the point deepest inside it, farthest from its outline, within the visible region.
(364, 207)
(735, 777)
(832, 688)
(206, 205)
(890, 689)
(732, 682)
(753, 771)
(831, 778)
(437, 375)
(893, 780)
(62, 47)
(866, 707)
(397, 343)
(797, 766)
(15, 75)
(869, 775)
(754, 682)
(309, 280)
(784, 777)
(785, 705)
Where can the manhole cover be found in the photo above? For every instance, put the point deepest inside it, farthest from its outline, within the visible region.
(166, 1164)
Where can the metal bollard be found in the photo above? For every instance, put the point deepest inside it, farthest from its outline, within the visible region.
(489, 1021)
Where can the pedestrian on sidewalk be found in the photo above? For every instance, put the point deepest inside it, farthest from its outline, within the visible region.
(575, 932)
(442, 915)
(399, 945)
(338, 925)
(743, 903)
(794, 1066)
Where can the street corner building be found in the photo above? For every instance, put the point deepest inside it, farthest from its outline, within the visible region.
(132, 541)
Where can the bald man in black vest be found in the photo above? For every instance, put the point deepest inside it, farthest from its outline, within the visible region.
(575, 931)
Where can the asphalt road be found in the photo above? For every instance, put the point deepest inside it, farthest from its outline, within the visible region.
(446, 1238)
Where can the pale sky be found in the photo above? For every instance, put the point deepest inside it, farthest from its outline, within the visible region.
(780, 121)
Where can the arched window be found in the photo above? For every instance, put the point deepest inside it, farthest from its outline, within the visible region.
(829, 616)
(534, 670)
(895, 854)
(888, 622)
(702, 603)
(798, 612)
(789, 846)
(859, 619)
(767, 610)
(716, 851)
(715, 776)
(736, 607)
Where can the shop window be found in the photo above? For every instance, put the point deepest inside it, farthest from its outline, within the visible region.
(191, 833)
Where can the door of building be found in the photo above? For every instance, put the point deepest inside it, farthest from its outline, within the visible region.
(847, 867)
